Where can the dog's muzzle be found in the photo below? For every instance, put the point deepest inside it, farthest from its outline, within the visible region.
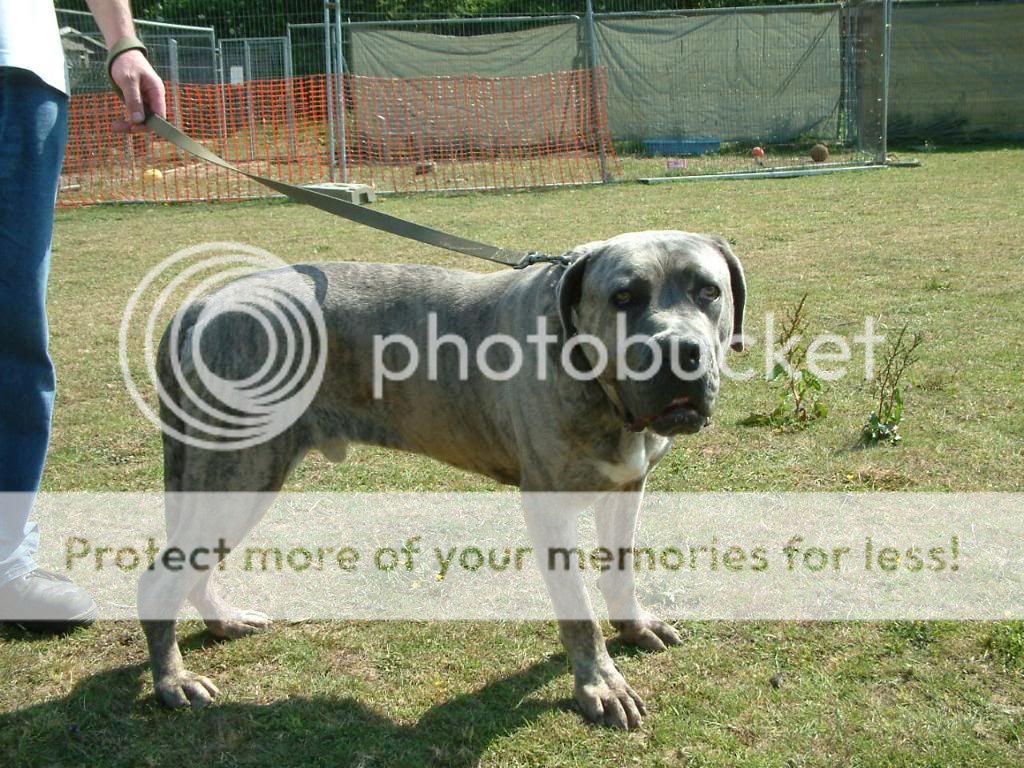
(679, 398)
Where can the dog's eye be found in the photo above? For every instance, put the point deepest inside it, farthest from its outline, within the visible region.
(710, 292)
(622, 298)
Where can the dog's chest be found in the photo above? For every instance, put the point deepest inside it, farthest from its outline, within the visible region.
(635, 457)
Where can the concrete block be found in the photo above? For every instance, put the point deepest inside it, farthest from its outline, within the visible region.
(360, 194)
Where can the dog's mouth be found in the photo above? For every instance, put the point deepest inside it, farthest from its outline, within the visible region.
(680, 416)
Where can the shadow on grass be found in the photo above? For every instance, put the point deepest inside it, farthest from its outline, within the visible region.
(111, 719)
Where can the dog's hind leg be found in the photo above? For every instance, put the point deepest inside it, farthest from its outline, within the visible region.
(223, 620)
(160, 593)
(214, 499)
(215, 493)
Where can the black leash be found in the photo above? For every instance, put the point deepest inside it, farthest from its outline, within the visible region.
(334, 205)
(354, 212)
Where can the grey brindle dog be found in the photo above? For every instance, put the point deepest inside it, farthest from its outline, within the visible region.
(602, 436)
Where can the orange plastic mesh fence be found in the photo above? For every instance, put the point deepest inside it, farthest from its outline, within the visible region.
(402, 135)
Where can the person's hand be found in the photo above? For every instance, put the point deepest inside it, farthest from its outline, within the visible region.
(142, 88)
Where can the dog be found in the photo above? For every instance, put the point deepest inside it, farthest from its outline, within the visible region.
(596, 432)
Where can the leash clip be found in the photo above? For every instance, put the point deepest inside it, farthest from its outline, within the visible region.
(533, 257)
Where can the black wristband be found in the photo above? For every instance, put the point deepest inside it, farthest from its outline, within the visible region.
(127, 43)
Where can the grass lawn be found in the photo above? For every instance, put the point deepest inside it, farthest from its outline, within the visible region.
(938, 247)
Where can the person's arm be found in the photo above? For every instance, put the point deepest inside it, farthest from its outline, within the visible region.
(140, 84)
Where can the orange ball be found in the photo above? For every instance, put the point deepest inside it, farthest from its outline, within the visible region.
(757, 152)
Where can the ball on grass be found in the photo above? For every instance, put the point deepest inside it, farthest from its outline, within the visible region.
(819, 153)
(757, 153)
(152, 174)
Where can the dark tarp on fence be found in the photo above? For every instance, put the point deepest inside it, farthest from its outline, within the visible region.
(957, 72)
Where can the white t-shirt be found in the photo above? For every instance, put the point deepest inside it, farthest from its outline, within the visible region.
(30, 39)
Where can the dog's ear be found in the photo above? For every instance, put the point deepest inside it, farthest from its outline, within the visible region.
(570, 289)
(738, 284)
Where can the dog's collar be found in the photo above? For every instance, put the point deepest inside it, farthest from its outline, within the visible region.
(533, 257)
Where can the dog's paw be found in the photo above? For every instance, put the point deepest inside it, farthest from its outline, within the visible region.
(237, 624)
(606, 698)
(648, 632)
(185, 689)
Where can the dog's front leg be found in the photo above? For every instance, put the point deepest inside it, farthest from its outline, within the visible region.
(601, 691)
(616, 526)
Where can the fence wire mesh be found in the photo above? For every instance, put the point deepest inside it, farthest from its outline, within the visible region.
(957, 72)
(507, 100)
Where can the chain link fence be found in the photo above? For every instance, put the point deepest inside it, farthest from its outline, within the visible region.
(404, 99)
(956, 72)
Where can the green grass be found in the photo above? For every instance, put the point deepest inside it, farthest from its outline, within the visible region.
(937, 246)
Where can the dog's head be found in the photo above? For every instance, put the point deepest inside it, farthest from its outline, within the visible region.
(664, 306)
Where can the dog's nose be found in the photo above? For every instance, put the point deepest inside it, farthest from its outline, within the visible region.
(685, 354)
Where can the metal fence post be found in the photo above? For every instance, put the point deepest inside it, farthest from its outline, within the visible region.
(595, 90)
(330, 86)
(886, 61)
(289, 97)
(218, 65)
(172, 51)
(850, 132)
(340, 70)
(250, 114)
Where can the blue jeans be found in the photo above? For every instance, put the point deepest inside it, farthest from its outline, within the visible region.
(33, 130)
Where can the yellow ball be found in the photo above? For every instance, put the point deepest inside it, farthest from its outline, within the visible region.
(152, 174)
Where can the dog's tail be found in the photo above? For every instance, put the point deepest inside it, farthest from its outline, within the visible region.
(170, 366)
